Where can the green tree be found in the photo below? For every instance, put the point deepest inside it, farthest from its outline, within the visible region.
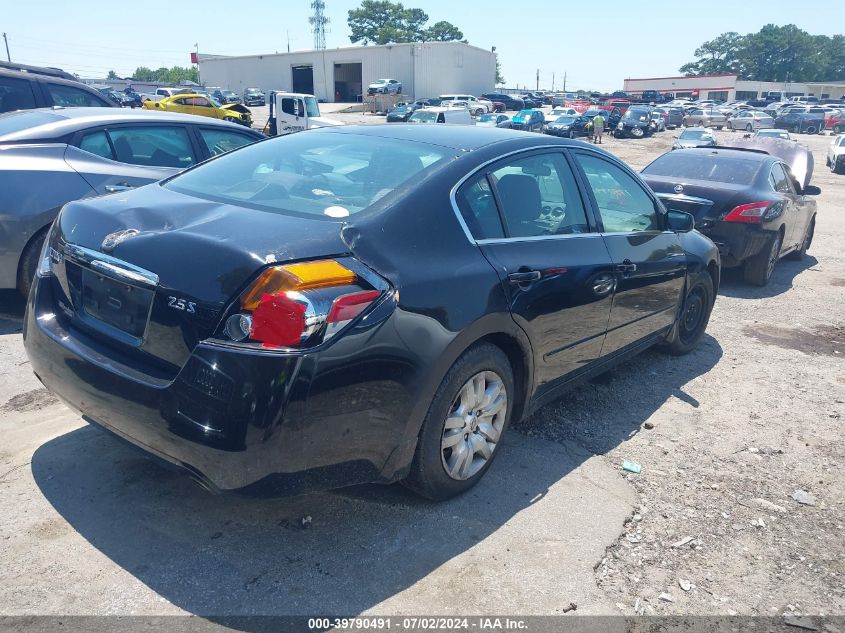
(384, 22)
(774, 53)
(173, 75)
(443, 32)
(112, 75)
(500, 80)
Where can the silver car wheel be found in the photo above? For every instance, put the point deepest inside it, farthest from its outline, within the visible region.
(472, 430)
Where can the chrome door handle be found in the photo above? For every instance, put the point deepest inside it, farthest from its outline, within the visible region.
(625, 267)
(118, 188)
(525, 277)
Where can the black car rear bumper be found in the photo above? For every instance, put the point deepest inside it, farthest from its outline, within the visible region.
(234, 420)
(736, 241)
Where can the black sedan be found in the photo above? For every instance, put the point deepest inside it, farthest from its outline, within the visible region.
(748, 202)
(571, 126)
(366, 303)
(635, 123)
(800, 122)
(402, 112)
(510, 102)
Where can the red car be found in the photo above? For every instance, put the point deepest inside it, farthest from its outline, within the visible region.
(835, 122)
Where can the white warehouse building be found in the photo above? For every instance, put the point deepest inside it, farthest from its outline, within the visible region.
(425, 69)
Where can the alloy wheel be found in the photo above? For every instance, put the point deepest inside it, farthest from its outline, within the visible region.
(474, 425)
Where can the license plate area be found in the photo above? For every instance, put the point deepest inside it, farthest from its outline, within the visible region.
(117, 308)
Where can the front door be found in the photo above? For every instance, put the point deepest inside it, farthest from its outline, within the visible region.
(649, 261)
(531, 223)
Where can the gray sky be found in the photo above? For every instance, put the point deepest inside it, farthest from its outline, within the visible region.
(632, 38)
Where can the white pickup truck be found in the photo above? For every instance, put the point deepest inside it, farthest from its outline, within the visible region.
(294, 112)
(161, 93)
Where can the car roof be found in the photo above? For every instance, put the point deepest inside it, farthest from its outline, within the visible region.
(457, 137)
(53, 79)
(68, 120)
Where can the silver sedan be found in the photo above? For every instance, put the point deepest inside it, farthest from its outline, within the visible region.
(705, 118)
(750, 121)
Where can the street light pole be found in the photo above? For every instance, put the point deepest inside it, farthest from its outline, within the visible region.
(199, 79)
(6, 40)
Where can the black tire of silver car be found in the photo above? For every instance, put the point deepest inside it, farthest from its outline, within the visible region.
(29, 262)
(693, 316)
(758, 269)
(429, 476)
(748, 128)
(799, 254)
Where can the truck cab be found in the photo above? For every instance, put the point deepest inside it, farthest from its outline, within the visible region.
(294, 112)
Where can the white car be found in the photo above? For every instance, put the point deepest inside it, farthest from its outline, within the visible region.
(773, 133)
(559, 112)
(750, 121)
(835, 158)
(475, 104)
(385, 86)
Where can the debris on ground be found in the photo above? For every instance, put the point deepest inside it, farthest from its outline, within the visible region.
(804, 498)
(631, 467)
(683, 541)
(570, 607)
(666, 597)
(306, 522)
(684, 584)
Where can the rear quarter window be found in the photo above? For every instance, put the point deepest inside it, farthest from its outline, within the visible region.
(16, 94)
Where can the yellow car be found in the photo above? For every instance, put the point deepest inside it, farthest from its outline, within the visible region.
(204, 106)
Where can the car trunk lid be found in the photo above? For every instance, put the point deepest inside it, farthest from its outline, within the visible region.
(145, 277)
(707, 201)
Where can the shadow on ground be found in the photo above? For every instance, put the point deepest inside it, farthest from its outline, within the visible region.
(219, 556)
(783, 276)
(12, 306)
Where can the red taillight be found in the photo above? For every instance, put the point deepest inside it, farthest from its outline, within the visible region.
(751, 213)
(278, 321)
(349, 306)
(305, 303)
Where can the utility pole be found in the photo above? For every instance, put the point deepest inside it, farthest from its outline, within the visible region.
(287, 32)
(199, 79)
(553, 82)
(8, 57)
(564, 81)
(538, 79)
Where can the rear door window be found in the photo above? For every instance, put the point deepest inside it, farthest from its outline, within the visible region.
(16, 94)
(153, 146)
(71, 97)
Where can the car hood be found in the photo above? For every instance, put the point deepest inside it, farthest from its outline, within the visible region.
(236, 107)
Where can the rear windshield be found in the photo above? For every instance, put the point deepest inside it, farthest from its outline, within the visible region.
(697, 166)
(18, 121)
(327, 175)
(695, 135)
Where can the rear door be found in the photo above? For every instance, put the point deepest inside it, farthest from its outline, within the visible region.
(531, 222)
(649, 262)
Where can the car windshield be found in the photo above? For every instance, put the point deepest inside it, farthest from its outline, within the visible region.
(636, 115)
(524, 114)
(695, 135)
(17, 121)
(312, 107)
(380, 81)
(487, 118)
(842, 142)
(325, 175)
(695, 166)
(775, 133)
(566, 120)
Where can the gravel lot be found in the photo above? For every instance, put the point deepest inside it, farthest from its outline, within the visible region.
(726, 437)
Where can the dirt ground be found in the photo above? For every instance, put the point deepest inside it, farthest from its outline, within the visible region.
(739, 507)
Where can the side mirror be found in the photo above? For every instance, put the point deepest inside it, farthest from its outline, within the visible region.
(680, 221)
(811, 190)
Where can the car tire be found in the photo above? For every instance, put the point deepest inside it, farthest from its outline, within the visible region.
(429, 476)
(758, 269)
(837, 168)
(572, 134)
(749, 128)
(693, 316)
(731, 126)
(637, 132)
(811, 129)
(29, 262)
(808, 241)
(836, 129)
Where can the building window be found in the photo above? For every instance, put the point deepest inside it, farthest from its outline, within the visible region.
(722, 95)
(745, 95)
